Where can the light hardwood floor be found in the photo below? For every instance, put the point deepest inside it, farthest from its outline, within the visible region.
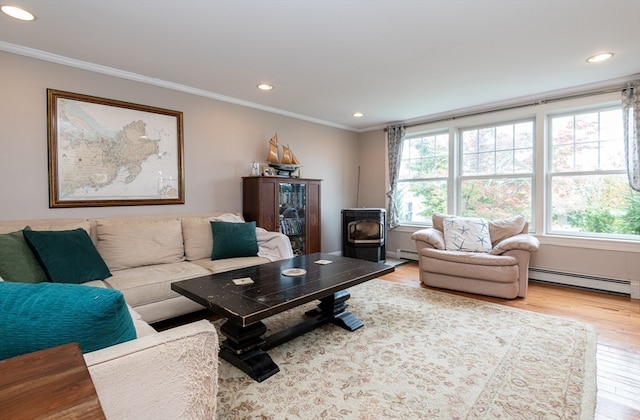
(617, 323)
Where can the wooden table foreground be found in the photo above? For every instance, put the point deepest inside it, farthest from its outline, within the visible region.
(51, 383)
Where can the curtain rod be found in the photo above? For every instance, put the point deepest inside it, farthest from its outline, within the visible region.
(613, 89)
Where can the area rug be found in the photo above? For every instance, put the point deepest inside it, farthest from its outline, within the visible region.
(422, 354)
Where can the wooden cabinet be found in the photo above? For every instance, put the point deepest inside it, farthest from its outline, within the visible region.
(287, 205)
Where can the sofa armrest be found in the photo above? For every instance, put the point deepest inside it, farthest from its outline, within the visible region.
(523, 241)
(429, 237)
(273, 245)
(171, 374)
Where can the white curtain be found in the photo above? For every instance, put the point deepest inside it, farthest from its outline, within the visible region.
(631, 119)
(395, 136)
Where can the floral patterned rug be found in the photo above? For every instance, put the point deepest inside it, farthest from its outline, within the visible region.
(422, 354)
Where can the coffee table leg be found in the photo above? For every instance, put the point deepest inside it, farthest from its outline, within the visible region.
(242, 348)
(334, 308)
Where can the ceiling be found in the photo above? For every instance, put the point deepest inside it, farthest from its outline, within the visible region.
(393, 60)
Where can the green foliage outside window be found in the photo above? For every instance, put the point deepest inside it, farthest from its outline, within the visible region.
(632, 218)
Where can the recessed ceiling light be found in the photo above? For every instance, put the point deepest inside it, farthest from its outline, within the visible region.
(599, 57)
(265, 86)
(18, 13)
(358, 114)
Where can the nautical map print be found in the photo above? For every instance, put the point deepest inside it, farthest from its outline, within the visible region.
(104, 153)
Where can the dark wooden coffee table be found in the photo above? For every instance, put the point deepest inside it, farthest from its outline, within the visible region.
(272, 292)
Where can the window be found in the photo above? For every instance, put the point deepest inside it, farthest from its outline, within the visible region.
(497, 170)
(587, 182)
(422, 182)
(485, 166)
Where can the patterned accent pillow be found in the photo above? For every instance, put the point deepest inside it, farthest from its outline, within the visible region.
(467, 234)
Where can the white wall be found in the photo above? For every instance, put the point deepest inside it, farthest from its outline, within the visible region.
(220, 142)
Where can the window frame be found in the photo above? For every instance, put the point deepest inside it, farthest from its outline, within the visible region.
(460, 178)
(446, 179)
(549, 174)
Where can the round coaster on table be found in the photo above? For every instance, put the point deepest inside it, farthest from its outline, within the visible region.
(294, 272)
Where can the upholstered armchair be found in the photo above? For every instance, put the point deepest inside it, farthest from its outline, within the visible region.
(474, 255)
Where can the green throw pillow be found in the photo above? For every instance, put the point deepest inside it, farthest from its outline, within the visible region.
(232, 239)
(17, 262)
(43, 315)
(67, 256)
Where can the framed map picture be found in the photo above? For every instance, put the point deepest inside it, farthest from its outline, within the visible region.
(104, 152)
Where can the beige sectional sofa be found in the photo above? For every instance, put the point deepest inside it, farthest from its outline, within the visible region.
(145, 254)
(172, 374)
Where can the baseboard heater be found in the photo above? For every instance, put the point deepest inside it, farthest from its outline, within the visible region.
(406, 254)
(581, 281)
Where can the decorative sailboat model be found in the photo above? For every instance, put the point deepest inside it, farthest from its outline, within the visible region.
(285, 166)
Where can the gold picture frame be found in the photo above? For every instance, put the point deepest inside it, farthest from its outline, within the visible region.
(105, 152)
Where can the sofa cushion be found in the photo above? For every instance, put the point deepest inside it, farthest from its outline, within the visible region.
(198, 237)
(7, 226)
(467, 234)
(233, 240)
(43, 315)
(227, 264)
(17, 262)
(67, 256)
(152, 283)
(120, 241)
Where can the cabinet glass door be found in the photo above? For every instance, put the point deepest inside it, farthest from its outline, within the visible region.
(292, 208)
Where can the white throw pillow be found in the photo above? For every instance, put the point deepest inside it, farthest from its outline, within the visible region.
(467, 234)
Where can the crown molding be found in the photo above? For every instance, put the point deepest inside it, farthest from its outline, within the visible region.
(97, 68)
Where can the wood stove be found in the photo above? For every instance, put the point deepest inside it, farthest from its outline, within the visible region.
(364, 234)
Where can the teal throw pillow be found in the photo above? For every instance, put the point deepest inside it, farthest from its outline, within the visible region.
(17, 262)
(233, 240)
(43, 315)
(67, 256)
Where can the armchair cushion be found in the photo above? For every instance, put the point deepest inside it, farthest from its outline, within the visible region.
(471, 265)
(504, 228)
(433, 237)
(438, 220)
(521, 241)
